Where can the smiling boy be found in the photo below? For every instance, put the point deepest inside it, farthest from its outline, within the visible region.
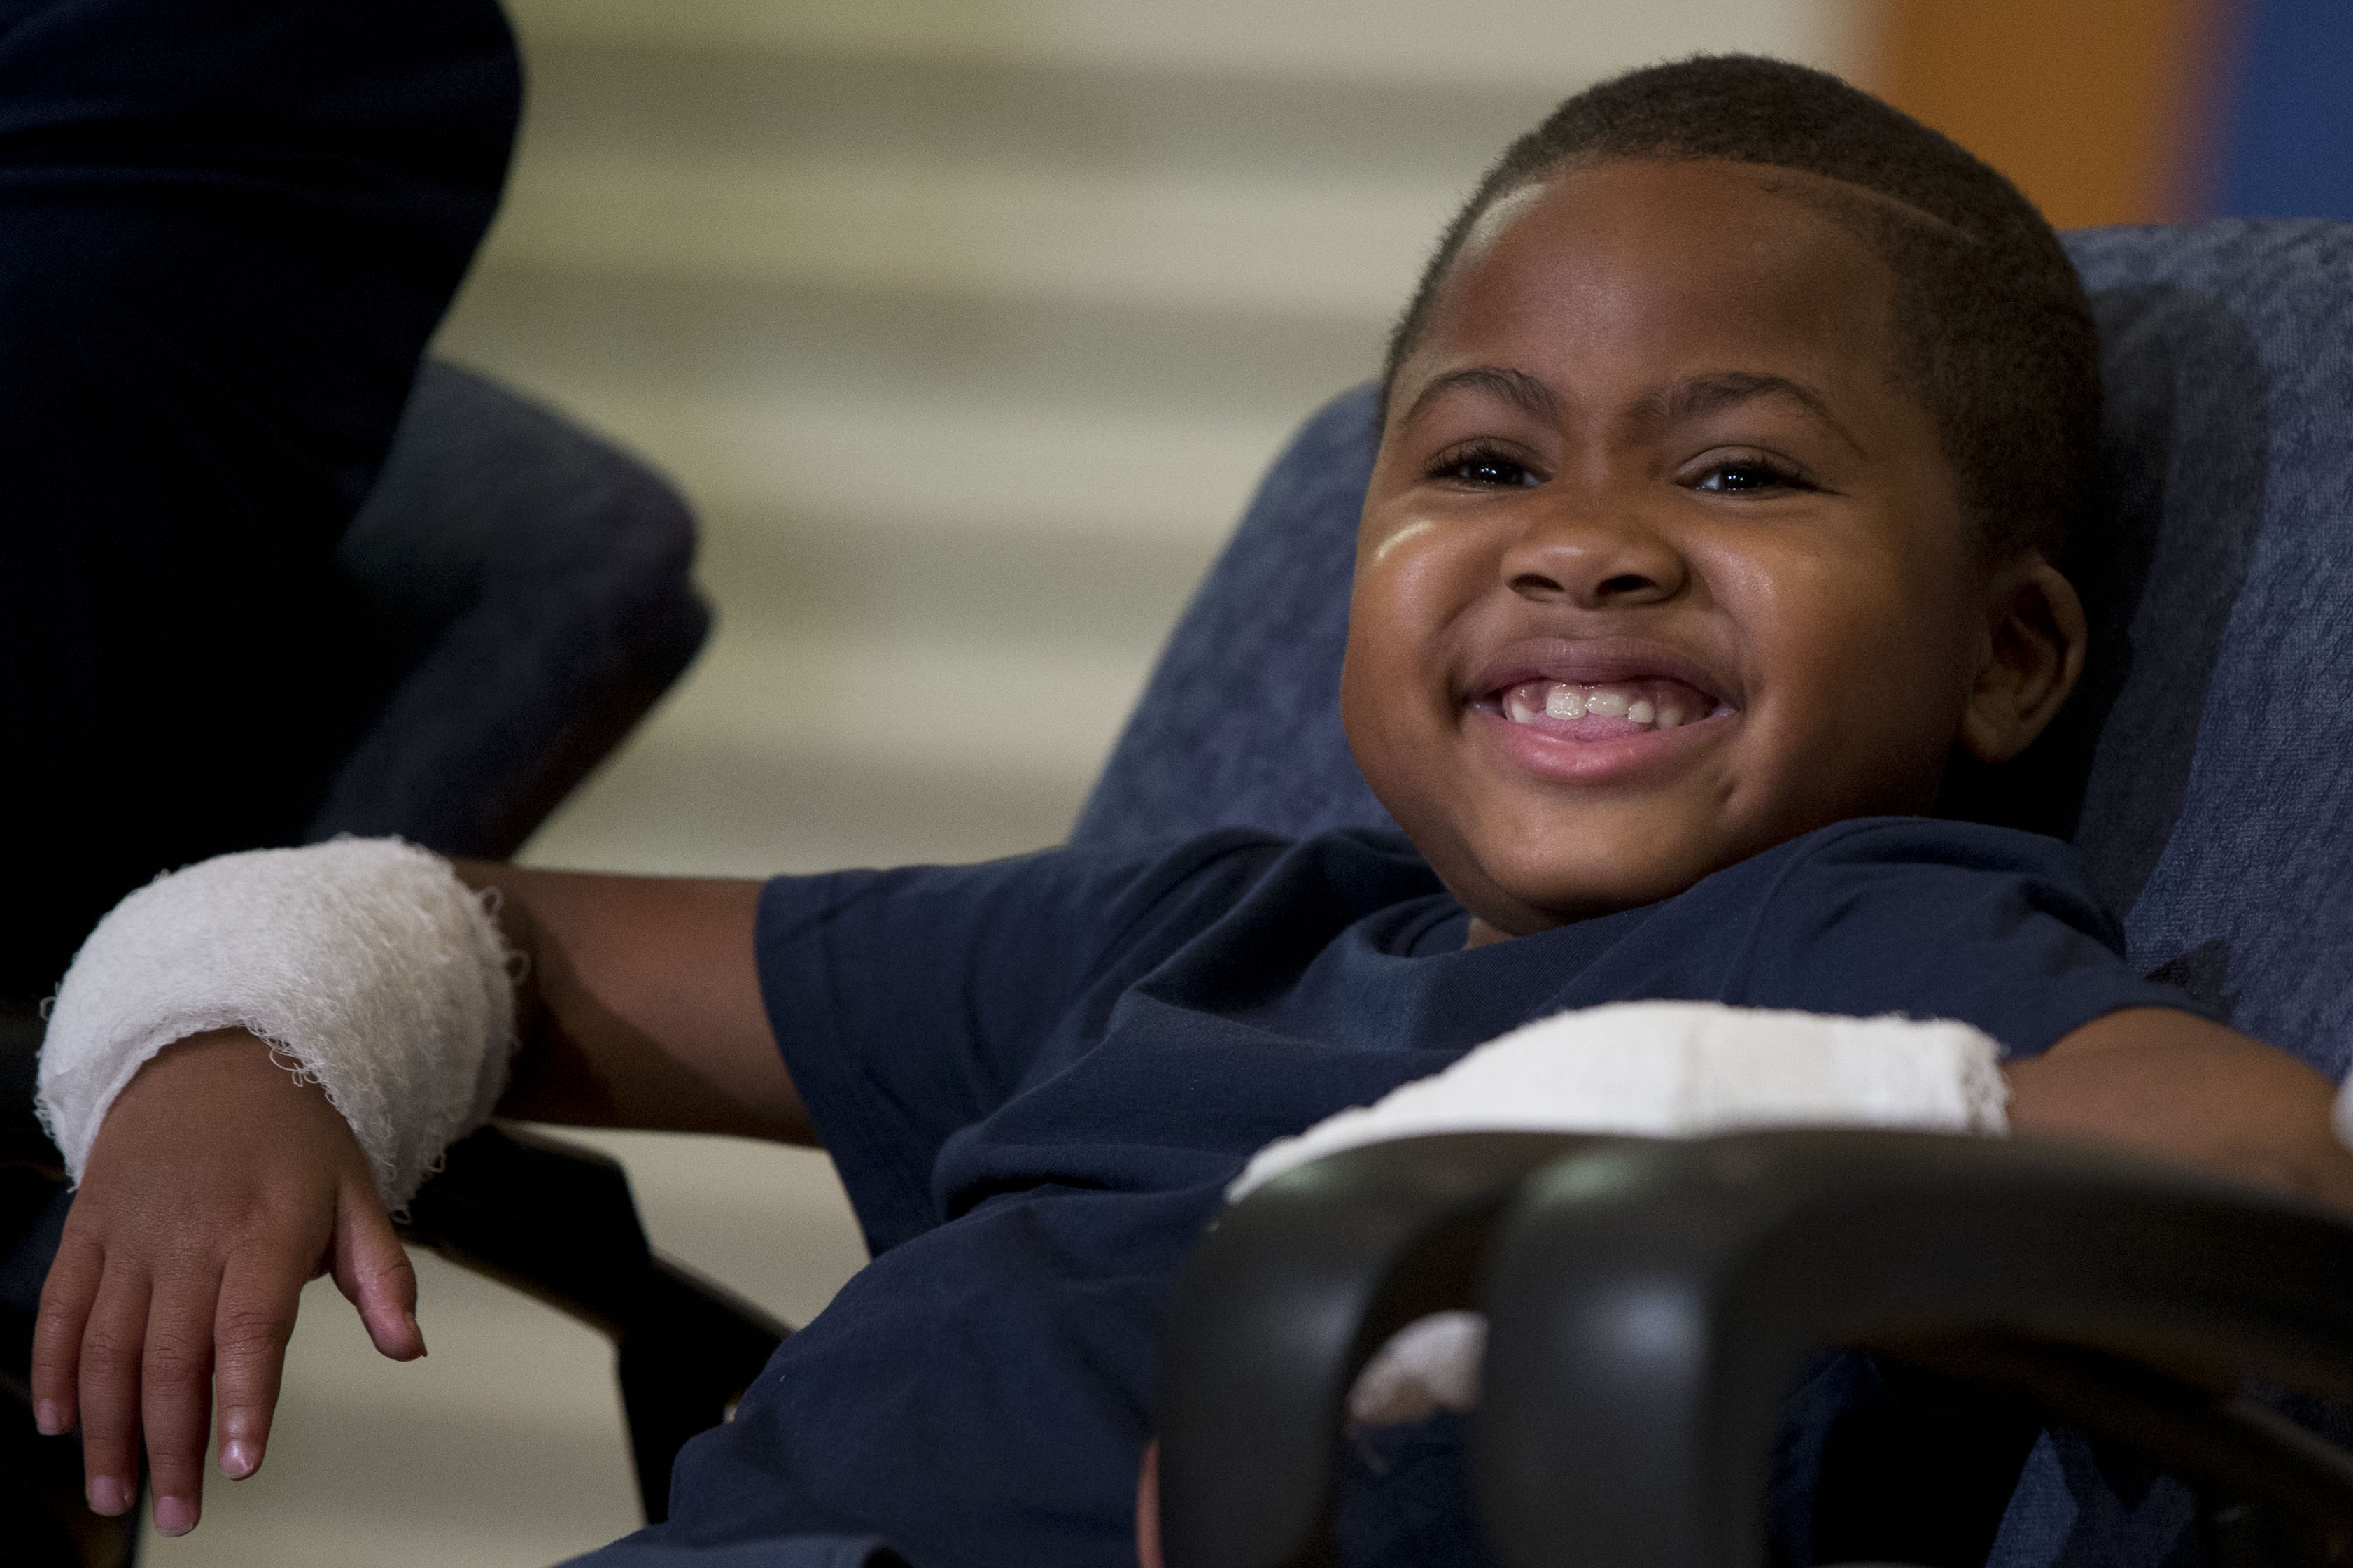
(1724, 453)
(1657, 538)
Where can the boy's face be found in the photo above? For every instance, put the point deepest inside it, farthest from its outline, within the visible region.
(1660, 564)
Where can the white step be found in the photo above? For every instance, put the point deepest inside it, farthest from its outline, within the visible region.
(788, 753)
(1557, 45)
(1316, 247)
(954, 465)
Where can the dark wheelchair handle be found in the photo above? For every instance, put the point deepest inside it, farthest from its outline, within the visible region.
(1651, 1303)
(1284, 1302)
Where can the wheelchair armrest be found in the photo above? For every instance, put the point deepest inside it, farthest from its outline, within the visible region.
(558, 1222)
(1651, 1303)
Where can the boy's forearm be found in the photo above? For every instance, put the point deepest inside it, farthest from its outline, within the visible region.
(2172, 1084)
(640, 1005)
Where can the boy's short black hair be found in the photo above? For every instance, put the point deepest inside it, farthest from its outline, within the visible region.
(1993, 328)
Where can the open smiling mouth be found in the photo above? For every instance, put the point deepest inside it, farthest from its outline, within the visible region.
(1604, 710)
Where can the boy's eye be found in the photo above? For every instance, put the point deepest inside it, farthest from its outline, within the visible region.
(1488, 468)
(1748, 475)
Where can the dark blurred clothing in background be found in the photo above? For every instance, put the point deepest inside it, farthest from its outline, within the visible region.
(228, 228)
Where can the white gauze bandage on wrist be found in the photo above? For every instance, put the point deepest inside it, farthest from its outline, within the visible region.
(367, 966)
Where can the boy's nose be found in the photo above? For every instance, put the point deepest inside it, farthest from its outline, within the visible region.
(1593, 559)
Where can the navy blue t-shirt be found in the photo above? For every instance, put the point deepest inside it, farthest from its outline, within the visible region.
(1037, 1077)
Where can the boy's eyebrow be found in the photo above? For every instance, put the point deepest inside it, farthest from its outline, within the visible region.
(1690, 399)
(1697, 396)
(1516, 387)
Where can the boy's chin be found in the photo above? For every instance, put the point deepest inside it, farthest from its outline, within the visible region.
(1519, 895)
(1523, 861)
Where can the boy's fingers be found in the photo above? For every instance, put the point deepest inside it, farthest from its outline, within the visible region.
(256, 1320)
(112, 1346)
(1147, 1508)
(65, 1299)
(176, 1398)
(373, 1270)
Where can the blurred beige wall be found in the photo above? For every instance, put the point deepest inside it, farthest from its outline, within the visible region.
(967, 327)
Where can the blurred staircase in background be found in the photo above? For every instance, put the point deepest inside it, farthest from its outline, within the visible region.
(967, 325)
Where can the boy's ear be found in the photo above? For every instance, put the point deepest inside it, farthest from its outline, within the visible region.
(2037, 635)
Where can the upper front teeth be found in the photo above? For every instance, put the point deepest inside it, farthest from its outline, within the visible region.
(1530, 700)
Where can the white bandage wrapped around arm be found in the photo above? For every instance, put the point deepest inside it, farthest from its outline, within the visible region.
(367, 966)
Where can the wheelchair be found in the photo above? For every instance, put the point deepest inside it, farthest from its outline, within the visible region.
(1651, 1302)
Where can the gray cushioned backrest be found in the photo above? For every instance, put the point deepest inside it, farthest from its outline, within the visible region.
(1240, 724)
(531, 594)
(2206, 768)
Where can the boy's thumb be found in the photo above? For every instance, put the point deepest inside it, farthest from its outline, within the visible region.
(373, 1271)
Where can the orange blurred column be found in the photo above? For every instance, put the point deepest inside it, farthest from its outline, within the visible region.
(2096, 107)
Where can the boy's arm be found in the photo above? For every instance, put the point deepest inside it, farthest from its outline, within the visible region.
(218, 1184)
(2172, 1085)
(640, 1005)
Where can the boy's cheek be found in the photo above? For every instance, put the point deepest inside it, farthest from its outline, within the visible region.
(1394, 535)
(1396, 676)
(1412, 574)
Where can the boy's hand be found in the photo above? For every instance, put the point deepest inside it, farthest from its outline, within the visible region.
(217, 1186)
(2176, 1085)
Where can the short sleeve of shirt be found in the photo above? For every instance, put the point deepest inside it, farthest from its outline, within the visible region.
(1930, 919)
(909, 1004)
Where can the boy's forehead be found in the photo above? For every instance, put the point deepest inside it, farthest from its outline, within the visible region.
(1691, 256)
(1718, 188)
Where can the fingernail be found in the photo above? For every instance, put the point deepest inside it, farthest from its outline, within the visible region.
(49, 1418)
(108, 1496)
(174, 1516)
(238, 1459)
